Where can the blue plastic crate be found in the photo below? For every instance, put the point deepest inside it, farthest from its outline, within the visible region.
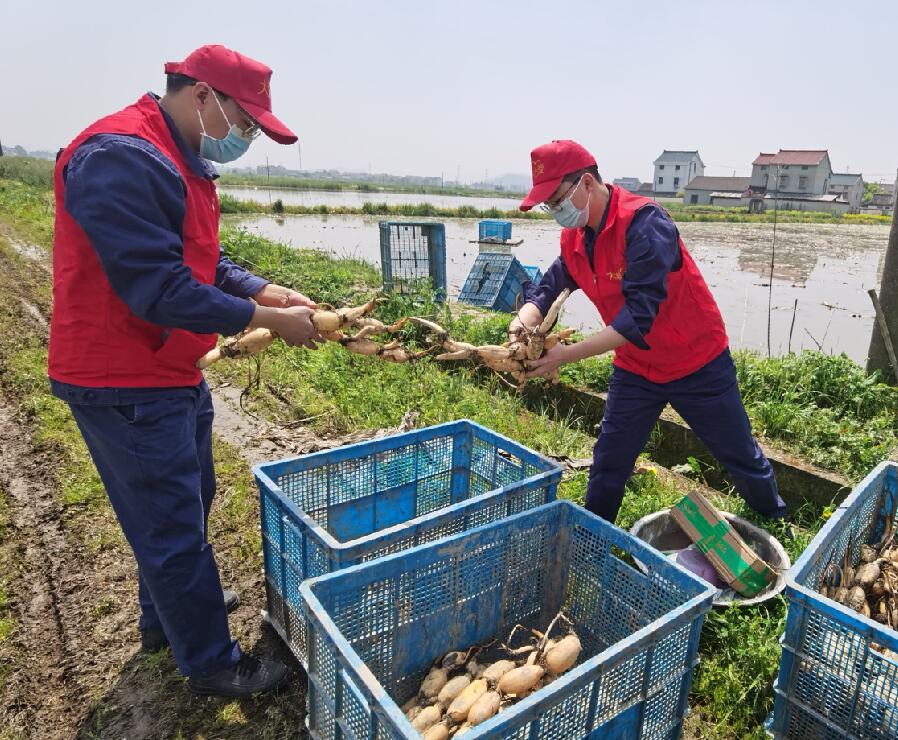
(495, 282)
(832, 682)
(495, 231)
(413, 256)
(533, 272)
(329, 510)
(375, 629)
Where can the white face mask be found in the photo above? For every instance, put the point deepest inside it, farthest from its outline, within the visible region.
(566, 214)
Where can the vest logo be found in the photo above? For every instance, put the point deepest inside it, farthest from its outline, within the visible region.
(538, 168)
(263, 88)
(617, 274)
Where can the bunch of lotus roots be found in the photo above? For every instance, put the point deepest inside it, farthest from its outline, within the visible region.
(871, 587)
(354, 329)
(459, 692)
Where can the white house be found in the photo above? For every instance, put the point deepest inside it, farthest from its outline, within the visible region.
(674, 169)
(850, 187)
(704, 190)
(627, 183)
(793, 172)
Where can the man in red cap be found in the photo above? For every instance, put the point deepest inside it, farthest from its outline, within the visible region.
(661, 321)
(140, 294)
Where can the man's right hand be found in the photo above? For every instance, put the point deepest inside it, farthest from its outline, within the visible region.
(528, 318)
(292, 324)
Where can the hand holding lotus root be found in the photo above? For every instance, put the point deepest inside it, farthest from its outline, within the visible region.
(332, 325)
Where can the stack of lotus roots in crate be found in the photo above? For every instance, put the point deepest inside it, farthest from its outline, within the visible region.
(870, 588)
(354, 328)
(467, 687)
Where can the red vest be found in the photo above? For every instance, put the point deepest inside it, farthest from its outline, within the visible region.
(688, 331)
(95, 340)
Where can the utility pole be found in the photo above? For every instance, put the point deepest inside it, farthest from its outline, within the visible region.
(878, 354)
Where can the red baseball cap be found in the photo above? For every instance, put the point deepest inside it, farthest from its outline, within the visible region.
(550, 163)
(238, 77)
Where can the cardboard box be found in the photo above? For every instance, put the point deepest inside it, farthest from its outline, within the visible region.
(734, 560)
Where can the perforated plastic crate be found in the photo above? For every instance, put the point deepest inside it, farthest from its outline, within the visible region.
(832, 682)
(533, 272)
(495, 282)
(489, 230)
(413, 256)
(329, 510)
(376, 628)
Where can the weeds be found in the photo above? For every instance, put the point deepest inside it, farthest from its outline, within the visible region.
(38, 173)
(232, 204)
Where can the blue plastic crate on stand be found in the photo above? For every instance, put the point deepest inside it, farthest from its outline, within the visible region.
(834, 680)
(413, 256)
(495, 282)
(497, 231)
(376, 629)
(329, 510)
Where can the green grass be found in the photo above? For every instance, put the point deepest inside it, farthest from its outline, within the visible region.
(230, 204)
(32, 171)
(321, 277)
(824, 406)
(54, 428)
(32, 206)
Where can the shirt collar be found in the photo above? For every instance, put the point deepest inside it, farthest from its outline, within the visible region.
(589, 232)
(200, 166)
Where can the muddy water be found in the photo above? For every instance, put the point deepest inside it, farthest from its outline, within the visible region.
(826, 268)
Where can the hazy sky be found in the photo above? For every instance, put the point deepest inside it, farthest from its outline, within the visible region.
(428, 86)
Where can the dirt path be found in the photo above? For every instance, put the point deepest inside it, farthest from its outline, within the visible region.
(41, 592)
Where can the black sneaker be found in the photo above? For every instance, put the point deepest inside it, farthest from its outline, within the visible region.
(231, 600)
(152, 641)
(250, 675)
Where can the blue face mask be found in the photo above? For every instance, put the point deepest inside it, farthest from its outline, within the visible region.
(567, 215)
(232, 146)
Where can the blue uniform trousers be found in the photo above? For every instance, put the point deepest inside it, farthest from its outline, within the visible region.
(709, 401)
(155, 460)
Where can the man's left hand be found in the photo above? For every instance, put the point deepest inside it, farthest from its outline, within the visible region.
(277, 296)
(549, 362)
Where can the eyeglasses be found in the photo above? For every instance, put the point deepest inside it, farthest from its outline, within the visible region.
(253, 129)
(555, 205)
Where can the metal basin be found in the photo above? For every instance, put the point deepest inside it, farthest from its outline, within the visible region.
(662, 532)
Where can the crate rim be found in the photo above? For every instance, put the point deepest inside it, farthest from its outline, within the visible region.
(411, 223)
(366, 682)
(551, 475)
